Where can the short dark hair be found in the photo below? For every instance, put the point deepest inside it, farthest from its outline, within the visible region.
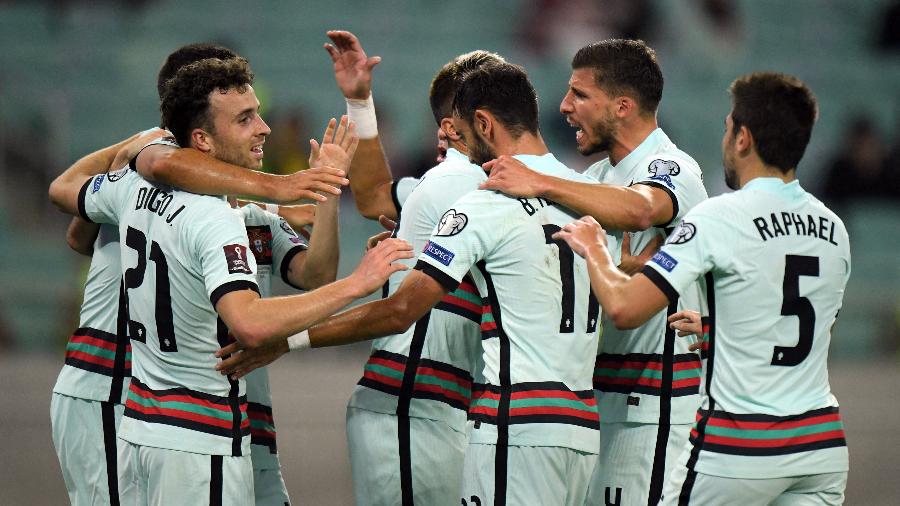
(779, 110)
(185, 55)
(505, 91)
(624, 67)
(446, 82)
(185, 102)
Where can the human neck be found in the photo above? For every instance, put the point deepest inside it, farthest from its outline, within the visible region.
(630, 136)
(758, 169)
(525, 144)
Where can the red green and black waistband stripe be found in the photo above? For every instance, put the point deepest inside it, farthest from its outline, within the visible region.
(262, 426)
(95, 351)
(539, 402)
(488, 324)
(434, 380)
(464, 301)
(186, 408)
(764, 435)
(643, 373)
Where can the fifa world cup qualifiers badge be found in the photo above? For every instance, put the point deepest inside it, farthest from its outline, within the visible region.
(236, 257)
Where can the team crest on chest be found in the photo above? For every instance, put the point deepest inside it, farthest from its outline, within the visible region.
(683, 233)
(452, 223)
(260, 243)
(664, 170)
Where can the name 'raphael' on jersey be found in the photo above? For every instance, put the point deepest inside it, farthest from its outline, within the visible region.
(539, 322)
(274, 244)
(180, 253)
(775, 261)
(633, 378)
(440, 356)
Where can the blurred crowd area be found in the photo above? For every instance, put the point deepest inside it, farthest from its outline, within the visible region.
(77, 76)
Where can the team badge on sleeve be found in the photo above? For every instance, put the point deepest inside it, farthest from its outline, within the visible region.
(664, 170)
(452, 223)
(236, 257)
(116, 175)
(683, 233)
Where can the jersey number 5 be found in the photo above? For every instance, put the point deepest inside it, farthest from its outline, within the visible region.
(795, 305)
(134, 277)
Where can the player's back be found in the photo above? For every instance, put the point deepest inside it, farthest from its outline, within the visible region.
(780, 261)
(539, 323)
(180, 253)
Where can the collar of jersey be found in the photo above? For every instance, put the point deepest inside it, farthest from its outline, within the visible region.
(453, 153)
(541, 163)
(647, 146)
(774, 185)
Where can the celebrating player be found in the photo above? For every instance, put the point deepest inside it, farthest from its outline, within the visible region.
(775, 262)
(646, 381)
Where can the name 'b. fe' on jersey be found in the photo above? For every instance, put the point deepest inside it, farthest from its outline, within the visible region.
(181, 253)
(539, 324)
(775, 261)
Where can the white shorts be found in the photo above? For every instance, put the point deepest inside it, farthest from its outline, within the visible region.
(170, 477)
(686, 488)
(635, 460)
(545, 475)
(84, 435)
(429, 474)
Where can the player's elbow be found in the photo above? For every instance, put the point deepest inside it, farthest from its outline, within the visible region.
(77, 243)
(367, 208)
(251, 334)
(622, 317)
(57, 194)
(640, 217)
(400, 316)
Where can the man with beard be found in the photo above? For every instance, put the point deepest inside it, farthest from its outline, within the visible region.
(533, 418)
(646, 380)
(775, 262)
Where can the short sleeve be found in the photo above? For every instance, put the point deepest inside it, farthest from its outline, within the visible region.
(679, 178)
(401, 189)
(687, 254)
(104, 196)
(286, 244)
(465, 235)
(226, 262)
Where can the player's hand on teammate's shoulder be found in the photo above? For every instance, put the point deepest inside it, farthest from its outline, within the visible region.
(688, 322)
(632, 264)
(389, 226)
(379, 263)
(512, 177)
(584, 236)
(238, 362)
(134, 146)
(352, 68)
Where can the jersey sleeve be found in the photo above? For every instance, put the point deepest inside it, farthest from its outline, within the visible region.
(286, 244)
(679, 178)
(465, 234)
(103, 197)
(226, 262)
(687, 254)
(401, 189)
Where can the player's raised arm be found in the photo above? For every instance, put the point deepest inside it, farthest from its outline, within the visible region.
(319, 264)
(370, 175)
(632, 208)
(64, 189)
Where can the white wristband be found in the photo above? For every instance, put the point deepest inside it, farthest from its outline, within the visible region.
(272, 208)
(299, 341)
(362, 113)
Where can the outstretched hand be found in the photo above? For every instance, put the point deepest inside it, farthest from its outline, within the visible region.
(352, 68)
(583, 235)
(338, 145)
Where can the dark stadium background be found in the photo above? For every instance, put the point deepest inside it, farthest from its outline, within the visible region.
(76, 76)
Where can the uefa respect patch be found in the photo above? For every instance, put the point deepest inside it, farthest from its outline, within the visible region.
(665, 261)
(438, 253)
(97, 182)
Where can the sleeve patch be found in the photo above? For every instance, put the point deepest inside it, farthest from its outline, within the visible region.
(664, 171)
(665, 261)
(236, 258)
(683, 233)
(116, 175)
(452, 223)
(97, 182)
(438, 253)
